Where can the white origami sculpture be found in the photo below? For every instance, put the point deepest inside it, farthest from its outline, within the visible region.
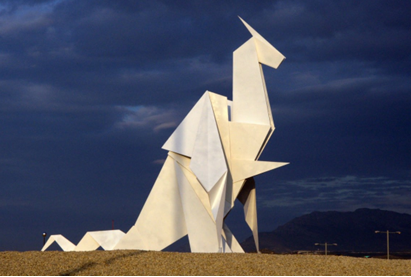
(211, 161)
(212, 158)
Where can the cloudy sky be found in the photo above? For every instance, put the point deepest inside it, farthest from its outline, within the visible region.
(90, 90)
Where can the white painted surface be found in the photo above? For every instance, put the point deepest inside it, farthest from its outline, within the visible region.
(267, 54)
(249, 140)
(87, 243)
(107, 239)
(249, 100)
(208, 160)
(248, 198)
(160, 222)
(64, 243)
(183, 138)
(201, 228)
(243, 169)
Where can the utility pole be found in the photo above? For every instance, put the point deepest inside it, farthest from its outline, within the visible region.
(326, 244)
(388, 240)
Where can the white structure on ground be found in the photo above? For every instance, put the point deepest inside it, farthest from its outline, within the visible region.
(93, 240)
(64, 243)
(90, 241)
(211, 161)
(213, 156)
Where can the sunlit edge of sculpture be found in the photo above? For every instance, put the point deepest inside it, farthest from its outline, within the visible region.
(213, 156)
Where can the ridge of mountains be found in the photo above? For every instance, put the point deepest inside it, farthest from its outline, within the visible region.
(352, 231)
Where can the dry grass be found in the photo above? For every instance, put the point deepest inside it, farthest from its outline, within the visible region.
(167, 263)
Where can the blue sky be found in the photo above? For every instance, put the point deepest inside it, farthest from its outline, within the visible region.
(90, 91)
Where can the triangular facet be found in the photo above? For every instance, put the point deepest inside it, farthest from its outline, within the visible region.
(198, 188)
(208, 160)
(247, 139)
(181, 160)
(162, 211)
(237, 186)
(107, 239)
(87, 243)
(243, 169)
(133, 239)
(64, 243)
(201, 227)
(183, 138)
(217, 200)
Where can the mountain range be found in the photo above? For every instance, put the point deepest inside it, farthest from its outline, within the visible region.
(351, 231)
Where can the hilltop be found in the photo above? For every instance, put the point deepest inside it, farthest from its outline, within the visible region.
(352, 231)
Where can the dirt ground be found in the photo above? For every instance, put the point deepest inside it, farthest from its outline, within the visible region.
(169, 263)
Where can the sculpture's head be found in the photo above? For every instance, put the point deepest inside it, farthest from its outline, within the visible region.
(267, 54)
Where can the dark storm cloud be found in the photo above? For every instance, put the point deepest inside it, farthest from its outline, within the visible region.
(101, 45)
(343, 29)
(90, 91)
(110, 53)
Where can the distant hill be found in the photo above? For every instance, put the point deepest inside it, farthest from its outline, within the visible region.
(352, 231)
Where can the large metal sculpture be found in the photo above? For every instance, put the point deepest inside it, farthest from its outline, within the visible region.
(213, 156)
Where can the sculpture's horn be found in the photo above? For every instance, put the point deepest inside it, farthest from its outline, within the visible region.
(267, 54)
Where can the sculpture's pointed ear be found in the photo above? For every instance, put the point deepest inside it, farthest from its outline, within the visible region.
(267, 54)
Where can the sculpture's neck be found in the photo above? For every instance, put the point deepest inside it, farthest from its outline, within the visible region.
(250, 99)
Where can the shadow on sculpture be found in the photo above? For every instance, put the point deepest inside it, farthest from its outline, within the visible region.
(213, 156)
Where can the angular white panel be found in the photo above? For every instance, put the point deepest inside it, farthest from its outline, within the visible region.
(249, 99)
(87, 243)
(217, 196)
(217, 201)
(198, 188)
(267, 53)
(162, 211)
(247, 197)
(183, 138)
(247, 140)
(182, 160)
(107, 239)
(64, 243)
(237, 186)
(243, 169)
(208, 159)
(134, 240)
(201, 228)
(270, 115)
(220, 109)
